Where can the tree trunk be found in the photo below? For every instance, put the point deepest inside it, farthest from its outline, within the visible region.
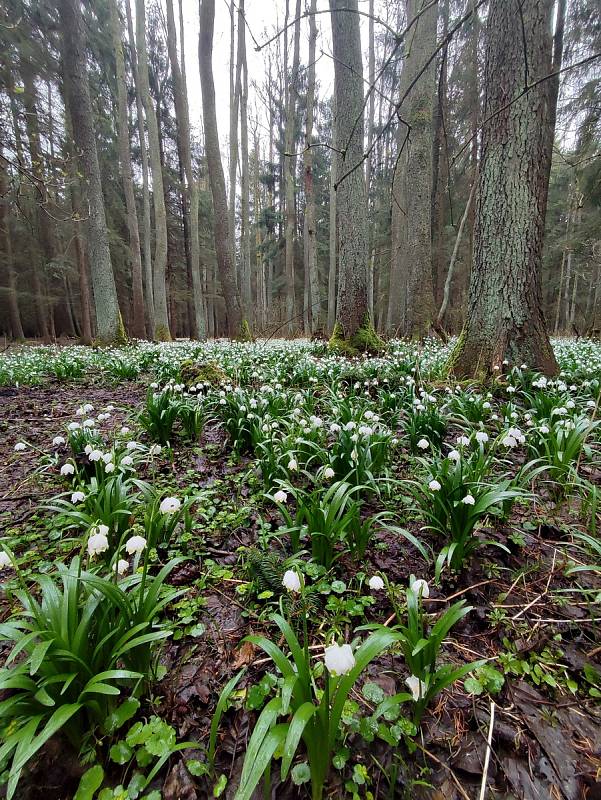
(236, 325)
(146, 231)
(138, 327)
(354, 329)
(505, 319)
(109, 326)
(7, 257)
(190, 192)
(420, 290)
(440, 166)
(235, 79)
(159, 272)
(333, 237)
(245, 283)
(371, 78)
(310, 238)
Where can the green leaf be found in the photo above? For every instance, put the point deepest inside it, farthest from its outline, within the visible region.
(301, 773)
(90, 782)
(220, 786)
(121, 752)
(197, 768)
(121, 715)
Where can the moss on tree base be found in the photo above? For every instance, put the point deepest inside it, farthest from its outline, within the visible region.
(192, 373)
(245, 334)
(162, 334)
(364, 340)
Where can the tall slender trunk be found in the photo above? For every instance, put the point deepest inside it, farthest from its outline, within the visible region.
(440, 165)
(138, 327)
(109, 326)
(333, 261)
(245, 281)
(146, 228)
(371, 77)
(313, 299)
(190, 192)
(235, 79)
(221, 229)
(289, 174)
(451, 271)
(159, 272)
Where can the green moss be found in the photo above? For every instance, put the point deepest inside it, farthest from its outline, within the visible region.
(364, 340)
(162, 334)
(121, 338)
(192, 372)
(245, 334)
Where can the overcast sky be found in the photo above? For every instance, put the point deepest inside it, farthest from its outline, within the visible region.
(263, 17)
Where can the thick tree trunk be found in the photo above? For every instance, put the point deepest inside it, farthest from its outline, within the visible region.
(237, 326)
(440, 166)
(235, 80)
(190, 192)
(505, 319)
(138, 327)
(420, 291)
(332, 271)
(109, 326)
(354, 328)
(6, 254)
(159, 272)
(310, 239)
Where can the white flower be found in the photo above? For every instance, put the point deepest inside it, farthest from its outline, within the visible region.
(339, 659)
(110, 467)
(169, 505)
(468, 500)
(454, 455)
(434, 485)
(280, 496)
(421, 588)
(20, 446)
(509, 441)
(58, 440)
(423, 444)
(88, 449)
(124, 430)
(293, 465)
(67, 469)
(121, 566)
(544, 429)
(328, 473)
(481, 437)
(463, 440)
(127, 461)
(4, 560)
(73, 426)
(335, 428)
(95, 455)
(77, 497)
(376, 583)
(135, 544)
(98, 542)
(106, 457)
(132, 446)
(416, 687)
(155, 450)
(291, 580)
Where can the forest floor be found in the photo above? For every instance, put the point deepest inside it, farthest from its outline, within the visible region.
(533, 620)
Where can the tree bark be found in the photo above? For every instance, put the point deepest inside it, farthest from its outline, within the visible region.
(289, 174)
(354, 329)
(109, 326)
(7, 257)
(159, 272)
(222, 233)
(505, 319)
(138, 327)
(333, 262)
(310, 237)
(245, 282)
(420, 290)
(190, 191)
(146, 234)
